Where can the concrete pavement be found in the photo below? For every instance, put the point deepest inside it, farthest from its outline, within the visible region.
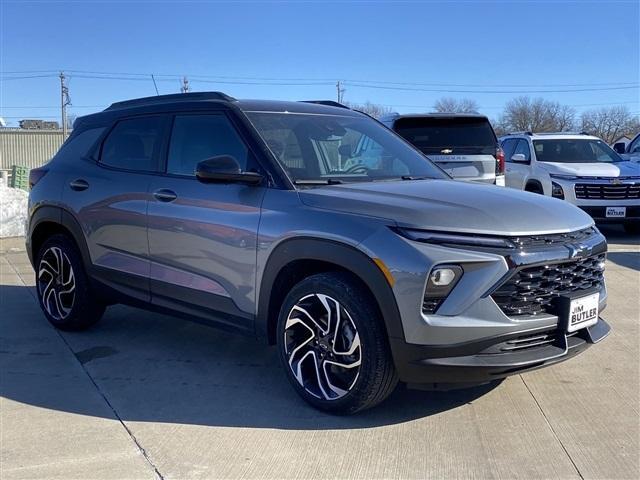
(143, 395)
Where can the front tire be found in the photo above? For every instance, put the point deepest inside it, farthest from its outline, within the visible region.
(63, 288)
(333, 345)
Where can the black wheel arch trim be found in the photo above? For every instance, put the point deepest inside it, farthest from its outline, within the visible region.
(330, 251)
(534, 183)
(60, 216)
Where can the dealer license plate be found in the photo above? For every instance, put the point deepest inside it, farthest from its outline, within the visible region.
(583, 312)
(616, 212)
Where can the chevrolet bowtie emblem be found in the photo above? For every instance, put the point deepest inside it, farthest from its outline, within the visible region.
(446, 151)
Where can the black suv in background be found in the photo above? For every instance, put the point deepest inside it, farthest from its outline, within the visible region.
(462, 144)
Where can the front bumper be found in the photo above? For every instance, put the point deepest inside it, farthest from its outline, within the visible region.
(491, 358)
(597, 207)
(598, 213)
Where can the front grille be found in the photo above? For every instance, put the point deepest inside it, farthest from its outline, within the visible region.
(601, 191)
(554, 238)
(531, 290)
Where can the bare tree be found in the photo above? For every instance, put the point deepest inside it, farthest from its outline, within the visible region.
(375, 110)
(537, 115)
(610, 123)
(453, 105)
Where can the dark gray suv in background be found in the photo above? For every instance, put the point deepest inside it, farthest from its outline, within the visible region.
(262, 217)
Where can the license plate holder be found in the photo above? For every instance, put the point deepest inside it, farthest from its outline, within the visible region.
(578, 311)
(615, 212)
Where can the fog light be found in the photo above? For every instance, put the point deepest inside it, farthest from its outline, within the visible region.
(442, 280)
(556, 191)
(442, 276)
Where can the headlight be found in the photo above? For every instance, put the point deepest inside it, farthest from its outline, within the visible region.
(556, 191)
(442, 279)
(454, 239)
(563, 177)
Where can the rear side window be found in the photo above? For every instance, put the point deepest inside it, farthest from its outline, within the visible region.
(134, 144)
(461, 135)
(79, 145)
(198, 137)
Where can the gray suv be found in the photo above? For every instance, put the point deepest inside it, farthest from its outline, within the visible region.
(261, 217)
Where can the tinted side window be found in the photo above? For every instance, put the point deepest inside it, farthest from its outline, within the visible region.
(79, 145)
(197, 137)
(523, 147)
(508, 146)
(134, 144)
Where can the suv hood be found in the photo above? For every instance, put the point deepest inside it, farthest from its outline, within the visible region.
(618, 169)
(447, 205)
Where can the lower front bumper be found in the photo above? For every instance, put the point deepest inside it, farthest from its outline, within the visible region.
(488, 359)
(599, 214)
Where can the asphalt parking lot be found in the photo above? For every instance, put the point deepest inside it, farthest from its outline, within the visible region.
(147, 396)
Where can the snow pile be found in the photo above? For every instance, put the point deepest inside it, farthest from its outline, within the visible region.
(13, 211)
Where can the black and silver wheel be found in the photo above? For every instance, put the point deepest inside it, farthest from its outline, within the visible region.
(56, 283)
(62, 286)
(333, 344)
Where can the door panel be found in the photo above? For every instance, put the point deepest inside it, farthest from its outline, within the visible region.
(202, 237)
(205, 242)
(111, 203)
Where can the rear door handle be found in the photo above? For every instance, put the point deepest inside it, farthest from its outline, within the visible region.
(165, 195)
(79, 185)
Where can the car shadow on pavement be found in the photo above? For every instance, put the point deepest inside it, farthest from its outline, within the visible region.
(625, 259)
(147, 367)
(616, 234)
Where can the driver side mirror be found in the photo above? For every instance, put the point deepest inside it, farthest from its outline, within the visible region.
(519, 158)
(619, 147)
(225, 169)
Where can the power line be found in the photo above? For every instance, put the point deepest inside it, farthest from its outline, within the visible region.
(387, 85)
(477, 92)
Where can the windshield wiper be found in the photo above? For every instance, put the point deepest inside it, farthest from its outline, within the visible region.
(318, 181)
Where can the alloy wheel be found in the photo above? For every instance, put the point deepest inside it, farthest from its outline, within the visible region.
(56, 283)
(322, 346)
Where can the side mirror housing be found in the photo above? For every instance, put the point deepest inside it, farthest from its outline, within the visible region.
(518, 158)
(225, 169)
(619, 147)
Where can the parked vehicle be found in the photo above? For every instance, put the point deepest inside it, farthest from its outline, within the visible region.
(578, 168)
(258, 217)
(463, 145)
(631, 151)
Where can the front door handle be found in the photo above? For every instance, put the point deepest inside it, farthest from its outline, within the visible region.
(79, 185)
(165, 195)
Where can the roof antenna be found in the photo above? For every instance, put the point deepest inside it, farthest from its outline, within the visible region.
(154, 84)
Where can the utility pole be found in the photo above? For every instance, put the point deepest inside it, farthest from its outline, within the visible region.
(185, 85)
(340, 91)
(64, 101)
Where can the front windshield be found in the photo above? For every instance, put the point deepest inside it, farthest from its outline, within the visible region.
(334, 148)
(569, 150)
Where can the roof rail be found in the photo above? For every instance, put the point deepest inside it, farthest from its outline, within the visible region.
(174, 97)
(520, 133)
(329, 103)
(562, 133)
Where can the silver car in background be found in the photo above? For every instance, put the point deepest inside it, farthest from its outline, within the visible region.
(463, 144)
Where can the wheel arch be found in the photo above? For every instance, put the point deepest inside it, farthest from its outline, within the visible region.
(296, 259)
(534, 185)
(50, 220)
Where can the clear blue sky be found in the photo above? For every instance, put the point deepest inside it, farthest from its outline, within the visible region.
(484, 45)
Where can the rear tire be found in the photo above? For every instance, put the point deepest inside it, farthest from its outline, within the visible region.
(333, 344)
(62, 285)
(632, 227)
